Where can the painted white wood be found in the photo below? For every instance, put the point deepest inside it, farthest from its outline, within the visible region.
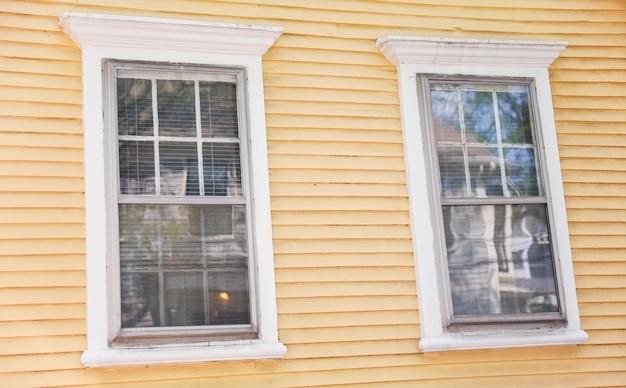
(169, 40)
(472, 52)
(473, 57)
(182, 355)
(138, 32)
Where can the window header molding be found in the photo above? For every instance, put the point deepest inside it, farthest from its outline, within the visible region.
(90, 29)
(400, 49)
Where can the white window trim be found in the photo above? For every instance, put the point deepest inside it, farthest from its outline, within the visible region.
(180, 41)
(488, 58)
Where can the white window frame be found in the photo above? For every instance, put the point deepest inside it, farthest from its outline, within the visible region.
(417, 56)
(131, 38)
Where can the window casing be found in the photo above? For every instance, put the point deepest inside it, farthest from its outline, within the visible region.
(487, 176)
(179, 151)
(488, 62)
(106, 37)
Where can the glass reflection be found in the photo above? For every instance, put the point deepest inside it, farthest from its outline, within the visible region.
(480, 123)
(176, 261)
(452, 171)
(176, 108)
(515, 117)
(499, 259)
(484, 167)
(445, 111)
(521, 172)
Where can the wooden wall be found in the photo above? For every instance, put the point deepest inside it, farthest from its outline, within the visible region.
(344, 267)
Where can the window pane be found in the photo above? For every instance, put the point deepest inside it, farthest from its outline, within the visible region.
(499, 259)
(484, 166)
(452, 171)
(136, 159)
(201, 240)
(445, 111)
(140, 231)
(521, 172)
(515, 117)
(134, 107)
(228, 297)
(179, 168)
(140, 299)
(226, 235)
(218, 109)
(184, 299)
(177, 108)
(480, 124)
(222, 169)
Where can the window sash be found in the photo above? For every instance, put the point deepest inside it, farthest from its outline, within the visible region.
(424, 82)
(166, 334)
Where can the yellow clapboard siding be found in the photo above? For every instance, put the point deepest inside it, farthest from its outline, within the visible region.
(41, 247)
(342, 246)
(42, 279)
(33, 124)
(55, 96)
(40, 80)
(36, 216)
(343, 260)
(342, 334)
(52, 38)
(43, 263)
(332, 109)
(283, 131)
(29, 230)
(346, 303)
(347, 319)
(27, 184)
(39, 154)
(39, 362)
(39, 328)
(45, 311)
(363, 18)
(345, 287)
(335, 176)
(597, 228)
(43, 295)
(603, 322)
(47, 344)
(589, 75)
(40, 168)
(336, 162)
(336, 231)
(338, 189)
(345, 272)
(34, 66)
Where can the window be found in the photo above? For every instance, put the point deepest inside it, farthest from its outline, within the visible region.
(182, 205)
(178, 229)
(487, 206)
(495, 217)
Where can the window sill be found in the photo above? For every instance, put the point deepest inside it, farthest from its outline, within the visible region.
(496, 340)
(113, 357)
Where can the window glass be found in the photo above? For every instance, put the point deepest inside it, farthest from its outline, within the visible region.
(495, 219)
(182, 263)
